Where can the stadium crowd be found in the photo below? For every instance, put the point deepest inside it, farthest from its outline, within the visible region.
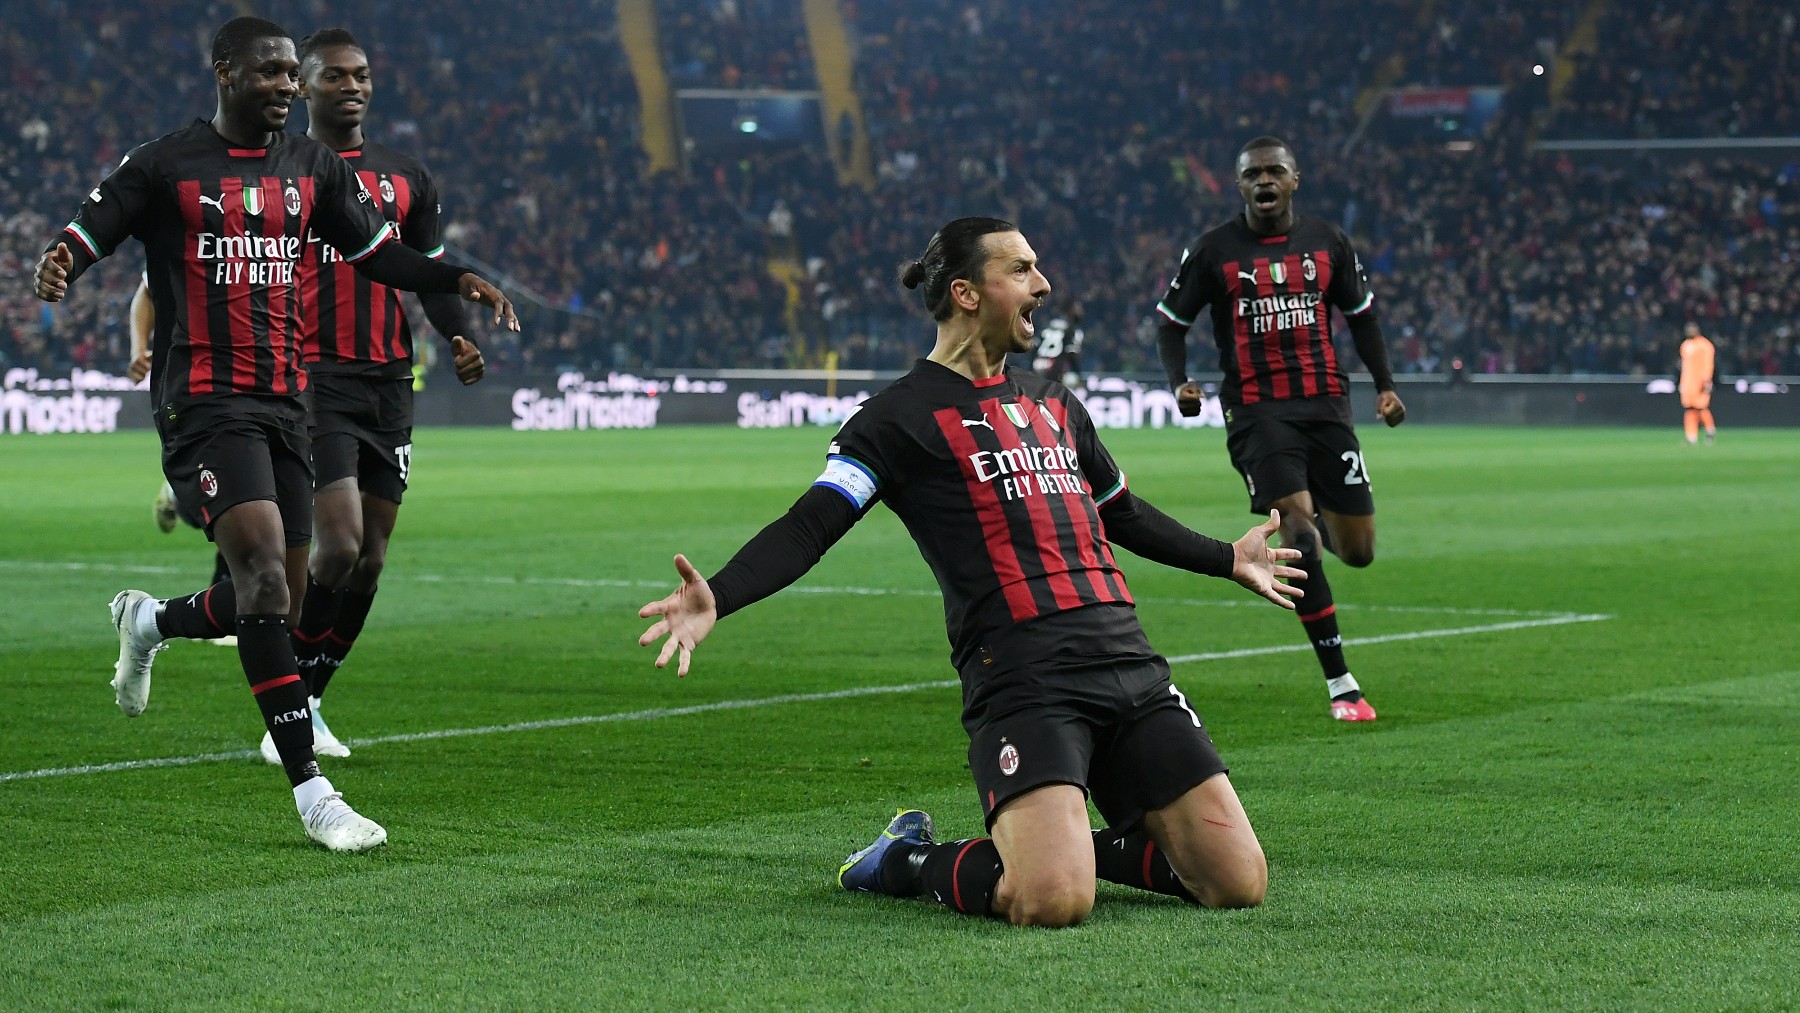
(1509, 260)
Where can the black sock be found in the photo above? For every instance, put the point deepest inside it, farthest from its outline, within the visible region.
(268, 660)
(204, 615)
(961, 875)
(334, 647)
(1133, 859)
(1318, 614)
(318, 610)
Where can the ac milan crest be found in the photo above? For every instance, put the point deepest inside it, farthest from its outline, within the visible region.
(291, 200)
(209, 483)
(1309, 269)
(1009, 759)
(387, 190)
(1049, 417)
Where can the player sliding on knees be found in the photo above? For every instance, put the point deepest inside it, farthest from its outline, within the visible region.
(1003, 483)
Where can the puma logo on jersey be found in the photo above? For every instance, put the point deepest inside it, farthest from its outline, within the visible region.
(217, 202)
(1249, 276)
(982, 421)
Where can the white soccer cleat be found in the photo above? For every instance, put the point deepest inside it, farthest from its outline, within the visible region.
(334, 824)
(131, 673)
(164, 509)
(269, 752)
(324, 743)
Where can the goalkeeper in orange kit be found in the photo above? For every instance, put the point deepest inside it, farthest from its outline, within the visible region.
(1696, 385)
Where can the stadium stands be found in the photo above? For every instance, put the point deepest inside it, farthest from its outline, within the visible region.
(1512, 260)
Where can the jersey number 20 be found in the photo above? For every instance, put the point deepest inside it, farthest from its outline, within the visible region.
(1359, 472)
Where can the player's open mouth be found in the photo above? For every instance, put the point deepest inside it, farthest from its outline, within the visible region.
(1025, 316)
(350, 104)
(1265, 199)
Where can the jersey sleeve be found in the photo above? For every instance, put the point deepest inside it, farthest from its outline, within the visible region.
(346, 216)
(422, 229)
(857, 466)
(1097, 465)
(113, 209)
(1349, 290)
(1188, 293)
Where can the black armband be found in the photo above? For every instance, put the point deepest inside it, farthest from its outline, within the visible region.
(1136, 525)
(782, 552)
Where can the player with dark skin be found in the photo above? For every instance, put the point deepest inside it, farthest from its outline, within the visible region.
(1266, 179)
(352, 529)
(254, 98)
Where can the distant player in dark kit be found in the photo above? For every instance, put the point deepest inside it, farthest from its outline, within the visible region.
(223, 209)
(1002, 481)
(359, 353)
(1058, 351)
(1272, 277)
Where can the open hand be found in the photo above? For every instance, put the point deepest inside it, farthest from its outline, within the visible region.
(476, 289)
(687, 615)
(1262, 569)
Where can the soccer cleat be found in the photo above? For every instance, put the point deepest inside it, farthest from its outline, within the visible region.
(131, 673)
(1352, 710)
(862, 871)
(334, 824)
(324, 743)
(164, 509)
(269, 752)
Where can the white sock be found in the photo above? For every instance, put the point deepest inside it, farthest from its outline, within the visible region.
(308, 793)
(1337, 687)
(143, 622)
(313, 702)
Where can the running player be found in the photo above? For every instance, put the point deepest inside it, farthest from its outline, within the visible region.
(223, 209)
(359, 353)
(1004, 485)
(1271, 277)
(1696, 385)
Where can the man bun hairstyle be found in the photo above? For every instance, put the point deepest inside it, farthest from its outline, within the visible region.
(235, 37)
(327, 38)
(956, 251)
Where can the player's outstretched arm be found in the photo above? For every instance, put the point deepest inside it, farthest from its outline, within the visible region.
(1261, 569)
(687, 615)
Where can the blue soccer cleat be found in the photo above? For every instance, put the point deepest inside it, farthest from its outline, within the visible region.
(862, 871)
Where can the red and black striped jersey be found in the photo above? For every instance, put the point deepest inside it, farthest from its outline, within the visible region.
(352, 324)
(223, 230)
(999, 482)
(1271, 299)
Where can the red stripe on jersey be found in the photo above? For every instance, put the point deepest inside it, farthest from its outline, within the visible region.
(241, 325)
(1303, 344)
(1087, 534)
(282, 337)
(1279, 386)
(1061, 413)
(247, 152)
(989, 381)
(1333, 385)
(403, 202)
(1249, 389)
(1043, 526)
(994, 527)
(199, 324)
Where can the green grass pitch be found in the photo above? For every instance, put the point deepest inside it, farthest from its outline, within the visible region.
(1581, 791)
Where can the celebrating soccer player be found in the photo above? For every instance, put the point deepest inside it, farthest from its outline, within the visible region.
(223, 209)
(359, 352)
(1271, 277)
(1003, 483)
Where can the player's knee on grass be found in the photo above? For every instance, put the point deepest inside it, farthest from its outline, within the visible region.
(1053, 901)
(1237, 879)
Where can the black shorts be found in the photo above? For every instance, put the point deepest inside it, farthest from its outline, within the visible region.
(362, 429)
(1121, 732)
(219, 452)
(1279, 457)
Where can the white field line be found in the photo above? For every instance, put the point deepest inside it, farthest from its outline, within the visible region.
(668, 585)
(731, 705)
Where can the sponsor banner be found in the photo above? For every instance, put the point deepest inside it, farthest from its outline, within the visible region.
(85, 401)
(1428, 101)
